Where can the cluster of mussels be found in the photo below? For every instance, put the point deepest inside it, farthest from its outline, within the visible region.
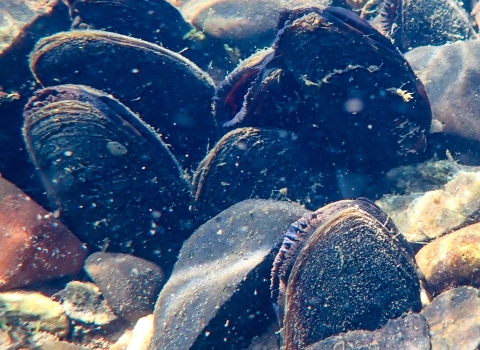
(133, 157)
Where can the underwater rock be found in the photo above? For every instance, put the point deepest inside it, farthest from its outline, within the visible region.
(451, 75)
(454, 319)
(343, 267)
(48, 344)
(115, 183)
(217, 295)
(416, 179)
(36, 247)
(130, 285)
(33, 311)
(424, 217)
(83, 303)
(233, 21)
(452, 260)
(142, 334)
(256, 163)
(169, 92)
(404, 333)
(26, 21)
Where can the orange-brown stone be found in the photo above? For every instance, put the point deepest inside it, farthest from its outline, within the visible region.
(34, 245)
(452, 260)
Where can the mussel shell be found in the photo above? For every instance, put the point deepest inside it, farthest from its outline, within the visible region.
(359, 91)
(114, 181)
(347, 268)
(249, 163)
(154, 21)
(169, 92)
(415, 23)
(260, 93)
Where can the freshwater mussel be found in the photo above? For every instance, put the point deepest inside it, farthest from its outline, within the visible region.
(414, 23)
(261, 163)
(114, 181)
(169, 92)
(340, 268)
(340, 84)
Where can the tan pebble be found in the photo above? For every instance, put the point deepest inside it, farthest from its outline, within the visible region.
(142, 333)
(452, 260)
(123, 341)
(34, 311)
(436, 212)
(35, 246)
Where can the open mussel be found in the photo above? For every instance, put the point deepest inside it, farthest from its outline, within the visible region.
(341, 268)
(169, 92)
(333, 77)
(115, 183)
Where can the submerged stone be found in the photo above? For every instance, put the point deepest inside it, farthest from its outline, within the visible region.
(404, 333)
(454, 319)
(424, 217)
(33, 311)
(452, 260)
(217, 295)
(129, 284)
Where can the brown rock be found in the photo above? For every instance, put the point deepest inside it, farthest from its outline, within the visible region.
(454, 319)
(452, 260)
(424, 217)
(35, 246)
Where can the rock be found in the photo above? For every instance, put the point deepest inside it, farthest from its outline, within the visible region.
(142, 334)
(452, 260)
(6, 341)
(58, 345)
(454, 319)
(240, 21)
(35, 246)
(83, 303)
(130, 285)
(33, 312)
(122, 342)
(267, 340)
(404, 333)
(424, 217)
(18, 16)
(451, 75)
(218, 294)
(418, 178)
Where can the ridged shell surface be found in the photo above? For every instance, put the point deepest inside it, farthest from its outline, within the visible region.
(342, 268)
(169, 92)
(114, 181)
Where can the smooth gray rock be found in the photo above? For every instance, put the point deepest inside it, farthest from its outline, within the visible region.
(451, 75)
(454, 319)
(404, 333)
(218, 295)
(129, 284)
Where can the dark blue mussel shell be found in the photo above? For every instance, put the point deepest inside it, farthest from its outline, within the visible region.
(115, 183)
(339, 83)
(343, 267)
